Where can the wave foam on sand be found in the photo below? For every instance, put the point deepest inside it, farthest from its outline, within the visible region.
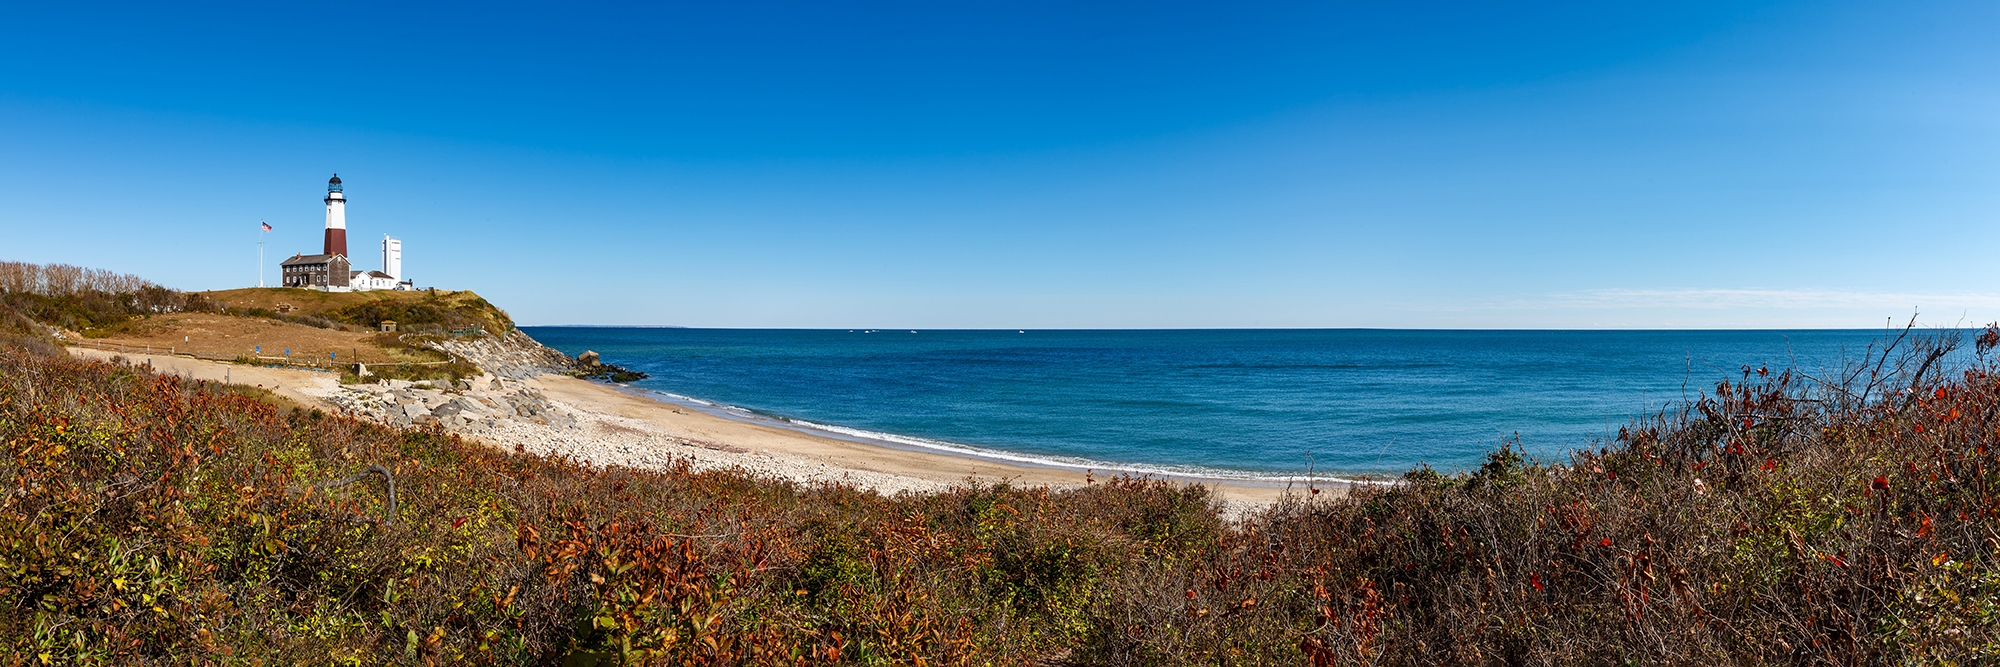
(1078, 464)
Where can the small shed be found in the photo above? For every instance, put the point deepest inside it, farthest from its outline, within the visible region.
(388, 326)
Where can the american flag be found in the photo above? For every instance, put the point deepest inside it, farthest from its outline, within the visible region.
(267, 226)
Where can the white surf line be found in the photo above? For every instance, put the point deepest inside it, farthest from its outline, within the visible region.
(909, 443)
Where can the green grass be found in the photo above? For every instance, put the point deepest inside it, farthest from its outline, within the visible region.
(443, 310)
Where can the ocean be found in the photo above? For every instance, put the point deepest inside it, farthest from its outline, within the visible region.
(1223, 403)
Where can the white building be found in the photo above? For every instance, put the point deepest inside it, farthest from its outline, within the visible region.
(363, 281)
(392, 257)
(390, 277)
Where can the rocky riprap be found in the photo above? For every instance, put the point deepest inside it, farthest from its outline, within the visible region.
(504, 408)
(470, 406)
(511, 355)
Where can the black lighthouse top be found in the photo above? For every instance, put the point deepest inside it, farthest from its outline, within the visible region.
(333, 184)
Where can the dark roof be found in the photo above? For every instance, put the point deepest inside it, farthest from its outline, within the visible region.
(371, 274)
(308, 259)
(335, 179)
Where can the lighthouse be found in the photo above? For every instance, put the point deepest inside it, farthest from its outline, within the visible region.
(331, 270)
(336, 218)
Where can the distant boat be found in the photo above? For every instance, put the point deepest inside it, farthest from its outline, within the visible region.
(1022, 331)
(913, 331)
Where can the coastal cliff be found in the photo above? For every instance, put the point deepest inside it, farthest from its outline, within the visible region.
(511, 354)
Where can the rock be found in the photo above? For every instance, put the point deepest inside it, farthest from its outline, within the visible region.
(415, 410)
(588, 358)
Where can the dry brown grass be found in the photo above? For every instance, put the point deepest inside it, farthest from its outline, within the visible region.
(223, 336)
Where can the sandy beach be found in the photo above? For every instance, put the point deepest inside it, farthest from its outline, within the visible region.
(610, 425)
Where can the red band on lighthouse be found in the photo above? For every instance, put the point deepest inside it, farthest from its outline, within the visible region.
(336, 242)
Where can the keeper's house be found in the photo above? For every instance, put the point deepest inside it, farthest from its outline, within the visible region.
(326, 272)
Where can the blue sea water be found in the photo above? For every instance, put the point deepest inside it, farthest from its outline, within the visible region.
(1255, 403)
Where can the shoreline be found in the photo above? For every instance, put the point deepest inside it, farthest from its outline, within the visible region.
(935, 470)
(997, 456)
(609, 424)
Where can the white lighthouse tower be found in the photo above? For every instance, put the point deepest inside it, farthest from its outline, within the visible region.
(336, 218)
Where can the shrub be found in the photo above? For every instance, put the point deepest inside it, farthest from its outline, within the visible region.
(1778, 519)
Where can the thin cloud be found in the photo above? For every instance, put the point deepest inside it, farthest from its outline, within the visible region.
(1722, 299)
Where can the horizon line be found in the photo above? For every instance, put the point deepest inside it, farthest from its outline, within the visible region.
(1072, 329)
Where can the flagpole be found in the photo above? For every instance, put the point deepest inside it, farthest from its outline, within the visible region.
(262, 229)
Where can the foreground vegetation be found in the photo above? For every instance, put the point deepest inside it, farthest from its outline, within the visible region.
(148, 520)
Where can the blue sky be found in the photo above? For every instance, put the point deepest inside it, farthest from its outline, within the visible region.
(1010, 165)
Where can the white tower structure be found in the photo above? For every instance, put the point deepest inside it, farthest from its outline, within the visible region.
(336, 218)
(392, 257)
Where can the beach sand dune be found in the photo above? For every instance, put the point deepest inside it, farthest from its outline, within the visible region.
(611, 425)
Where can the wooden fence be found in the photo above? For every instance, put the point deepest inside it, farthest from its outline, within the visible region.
(300, 361)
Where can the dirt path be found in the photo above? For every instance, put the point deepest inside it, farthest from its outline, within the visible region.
(297, 385)
(227, 337)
